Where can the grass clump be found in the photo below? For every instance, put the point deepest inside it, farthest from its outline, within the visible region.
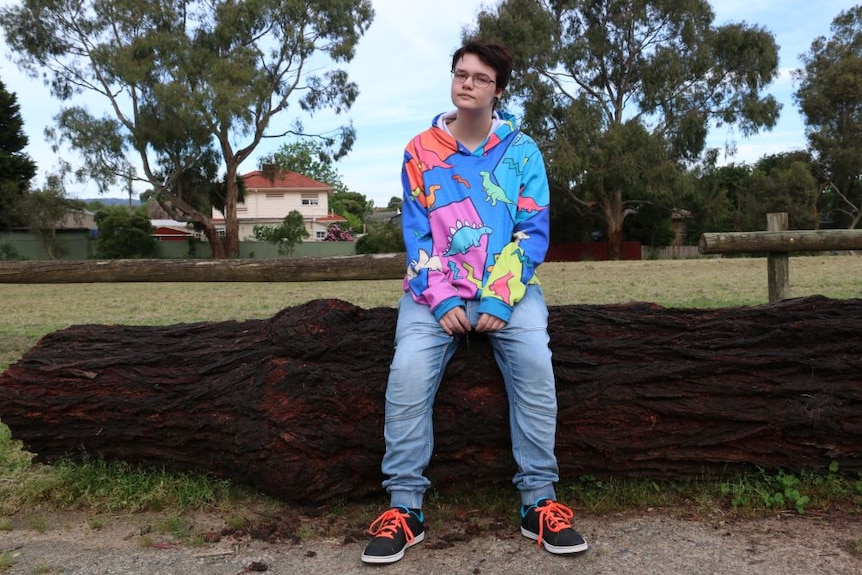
(754, 494)
(782, 491)
(6, 561)
(101, 486)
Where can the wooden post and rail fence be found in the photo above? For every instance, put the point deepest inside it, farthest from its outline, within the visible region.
(778, 243)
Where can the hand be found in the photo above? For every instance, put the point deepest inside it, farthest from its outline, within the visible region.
(455, 321)
(488, 322)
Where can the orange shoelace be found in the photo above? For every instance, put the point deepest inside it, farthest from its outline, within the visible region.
(387, 525)
(557, 517)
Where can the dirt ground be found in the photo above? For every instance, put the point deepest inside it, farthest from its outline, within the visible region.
(665, 543)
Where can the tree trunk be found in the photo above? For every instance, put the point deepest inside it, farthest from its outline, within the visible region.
(365, 267)
(294, 405)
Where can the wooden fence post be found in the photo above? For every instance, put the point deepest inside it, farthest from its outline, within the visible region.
(778, 263)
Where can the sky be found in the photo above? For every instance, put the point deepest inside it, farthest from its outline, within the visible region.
(402, 65)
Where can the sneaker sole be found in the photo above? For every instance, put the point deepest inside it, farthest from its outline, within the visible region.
(379, 560)
(553, 548)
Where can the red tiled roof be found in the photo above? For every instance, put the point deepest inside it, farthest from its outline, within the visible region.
(331, 218)
(283, 180)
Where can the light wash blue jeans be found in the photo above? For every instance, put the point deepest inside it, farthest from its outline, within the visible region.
(422, 351)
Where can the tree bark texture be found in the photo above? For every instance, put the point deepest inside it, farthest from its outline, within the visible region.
(363, 267)
(294, 405)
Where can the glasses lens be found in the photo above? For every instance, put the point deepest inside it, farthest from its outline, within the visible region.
(479, 80)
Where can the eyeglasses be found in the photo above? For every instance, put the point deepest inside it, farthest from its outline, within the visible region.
(479, 80)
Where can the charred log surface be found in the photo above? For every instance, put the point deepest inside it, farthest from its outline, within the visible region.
(294, 405)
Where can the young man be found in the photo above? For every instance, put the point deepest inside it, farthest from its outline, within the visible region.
(475, 223)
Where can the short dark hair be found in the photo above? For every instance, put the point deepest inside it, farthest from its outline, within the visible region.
(492, 54)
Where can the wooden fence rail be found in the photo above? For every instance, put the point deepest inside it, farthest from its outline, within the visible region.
(339, 268)
(778, 243)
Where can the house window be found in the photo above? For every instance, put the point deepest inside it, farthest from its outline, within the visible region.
(319, 236)
(309, 199)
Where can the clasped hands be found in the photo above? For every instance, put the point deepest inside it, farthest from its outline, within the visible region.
(455, 321)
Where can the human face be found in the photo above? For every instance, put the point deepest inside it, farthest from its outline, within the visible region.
(466, 95)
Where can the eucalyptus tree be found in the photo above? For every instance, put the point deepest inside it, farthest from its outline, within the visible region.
(621, 94)
(178, 77)
(16, 167)
(830, 99)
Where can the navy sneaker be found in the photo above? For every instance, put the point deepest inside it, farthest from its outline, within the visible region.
(550, 523)
(393, 532)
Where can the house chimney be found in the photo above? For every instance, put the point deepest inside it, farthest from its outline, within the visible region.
(269, 170)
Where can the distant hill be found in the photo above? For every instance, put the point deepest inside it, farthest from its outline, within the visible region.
(111, 201)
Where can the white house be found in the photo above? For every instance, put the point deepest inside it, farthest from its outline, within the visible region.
(270, 195)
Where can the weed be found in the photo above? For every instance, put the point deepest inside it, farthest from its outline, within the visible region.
(782, 491)
(305, 531)
(6, 561)
(175, 526)
(5, 524)
(236, 522)
(38, 524)
(95, 523)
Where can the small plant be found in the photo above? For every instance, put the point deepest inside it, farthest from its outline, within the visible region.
(175, 526)
(6, 561)
(95, 523)
(5, 524)
(786, 491)
(38, 524)
(305, 531)
(781, 491)
(236, 522)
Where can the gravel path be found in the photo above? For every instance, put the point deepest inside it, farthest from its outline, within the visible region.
(631, 545)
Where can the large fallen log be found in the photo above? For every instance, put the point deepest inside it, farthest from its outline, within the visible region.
(294, 405)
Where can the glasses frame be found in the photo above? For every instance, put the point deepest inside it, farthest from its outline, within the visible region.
(480, 81)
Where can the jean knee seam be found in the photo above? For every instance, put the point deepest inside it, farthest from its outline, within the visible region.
(405, 416)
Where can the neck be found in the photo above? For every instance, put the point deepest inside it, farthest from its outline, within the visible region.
(471, 128)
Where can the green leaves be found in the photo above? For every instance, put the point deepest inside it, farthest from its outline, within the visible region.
(830, 99)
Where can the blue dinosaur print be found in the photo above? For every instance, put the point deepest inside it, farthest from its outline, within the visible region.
(465, 237)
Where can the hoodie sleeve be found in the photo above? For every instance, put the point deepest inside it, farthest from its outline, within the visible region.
(516, 263)
(426, 280)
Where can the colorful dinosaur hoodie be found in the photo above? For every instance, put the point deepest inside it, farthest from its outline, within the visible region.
(475, 223)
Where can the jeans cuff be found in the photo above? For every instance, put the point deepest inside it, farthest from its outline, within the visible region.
(409, 499)
(530, 497)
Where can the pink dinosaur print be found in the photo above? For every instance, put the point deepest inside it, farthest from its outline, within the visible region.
(501, 288)
(527, 204)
